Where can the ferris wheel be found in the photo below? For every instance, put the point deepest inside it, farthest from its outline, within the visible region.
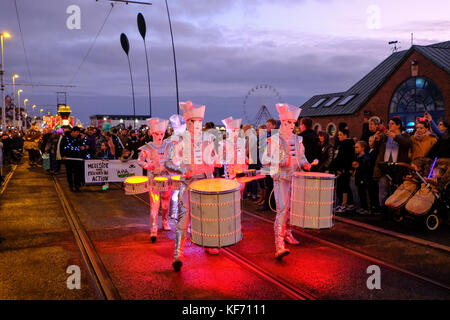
(259, 103)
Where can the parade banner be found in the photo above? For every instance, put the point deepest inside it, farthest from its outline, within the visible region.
(97, 171)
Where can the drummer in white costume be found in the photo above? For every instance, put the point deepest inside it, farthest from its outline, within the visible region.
(196, 151)
(151, 158)
(232, 150)
(285, 154)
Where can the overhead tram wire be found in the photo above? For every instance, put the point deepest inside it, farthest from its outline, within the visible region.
(23, 43)
(92, 45)
(126, 2)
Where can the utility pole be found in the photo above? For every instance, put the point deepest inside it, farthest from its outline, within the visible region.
(2, 72)
(174, 59)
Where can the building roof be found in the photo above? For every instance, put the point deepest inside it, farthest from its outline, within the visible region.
(350, 101)
(119, 116)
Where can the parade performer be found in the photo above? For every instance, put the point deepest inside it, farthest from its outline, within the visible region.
(179, 127)
(151, 158)
(285, 154)
(232, 150)
(192, 157)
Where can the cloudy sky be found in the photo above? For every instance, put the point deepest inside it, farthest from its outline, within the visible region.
(224, 49)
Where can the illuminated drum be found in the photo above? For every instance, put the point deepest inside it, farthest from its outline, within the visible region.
(215, 206)
(250, 173)
(160, 184)
(136, 185)
(312, 200)
(175, 182)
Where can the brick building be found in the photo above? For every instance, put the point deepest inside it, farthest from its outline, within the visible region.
(403, 85)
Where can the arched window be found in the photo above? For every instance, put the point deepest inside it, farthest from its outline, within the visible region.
(317, 127)
(331, 129)
(413, 97)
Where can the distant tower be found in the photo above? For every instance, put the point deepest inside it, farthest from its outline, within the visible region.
(262, 116)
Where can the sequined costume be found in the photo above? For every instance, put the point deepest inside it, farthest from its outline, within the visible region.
(285, 157)
(193, 159)
(152, 159)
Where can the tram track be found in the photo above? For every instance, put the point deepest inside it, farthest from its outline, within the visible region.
(359, 254)
(102, 281)
(394, 234)
(298, 293)
(252, 266)
(294, 292)
(7, 179)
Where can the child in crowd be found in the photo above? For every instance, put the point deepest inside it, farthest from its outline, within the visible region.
(363, 176)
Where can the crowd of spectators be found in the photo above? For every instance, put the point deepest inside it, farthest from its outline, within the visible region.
(361, 184)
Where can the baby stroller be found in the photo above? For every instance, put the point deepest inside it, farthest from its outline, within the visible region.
(423, 199)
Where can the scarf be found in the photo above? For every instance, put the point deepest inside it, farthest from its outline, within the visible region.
(420, 137)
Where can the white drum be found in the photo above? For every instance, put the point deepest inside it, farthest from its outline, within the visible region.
(136, 185)
(215, 206)
(312, 200)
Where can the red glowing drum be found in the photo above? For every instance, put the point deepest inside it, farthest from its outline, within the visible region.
(136, 185)
(312, 200)
(215, 206)
(160, 184)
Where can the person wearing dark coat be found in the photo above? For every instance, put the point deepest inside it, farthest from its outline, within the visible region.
(71, 149)
(363, 176)
(310, 140)
(133, 144)
(342, 165)
(326, 153)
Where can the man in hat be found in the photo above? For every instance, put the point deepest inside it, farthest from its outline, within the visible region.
(71, 149)
(285, 154)
(151, 158)
(192, 157)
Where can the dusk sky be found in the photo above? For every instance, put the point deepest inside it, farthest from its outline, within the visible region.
(224, 48)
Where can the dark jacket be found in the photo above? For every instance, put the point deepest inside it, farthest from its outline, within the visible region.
(104, 155)
(118, 148)
(325, 158)
(366, 134)
(441, 149)
(71, 147)
(45, 138)
(133, 144)
(345, 156)
(373, 158)
(363, 174)
(311, 144)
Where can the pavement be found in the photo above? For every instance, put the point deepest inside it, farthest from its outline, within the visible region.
(39, 246)
(36, 243)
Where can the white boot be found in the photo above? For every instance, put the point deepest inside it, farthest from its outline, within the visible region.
(289, 238)
(166, 226)
(212, 251)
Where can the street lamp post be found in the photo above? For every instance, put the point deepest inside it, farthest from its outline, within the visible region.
(14, 113)
(20, 116)
(2, 71)
(174, 59)
(13, 100)
(34, 106)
